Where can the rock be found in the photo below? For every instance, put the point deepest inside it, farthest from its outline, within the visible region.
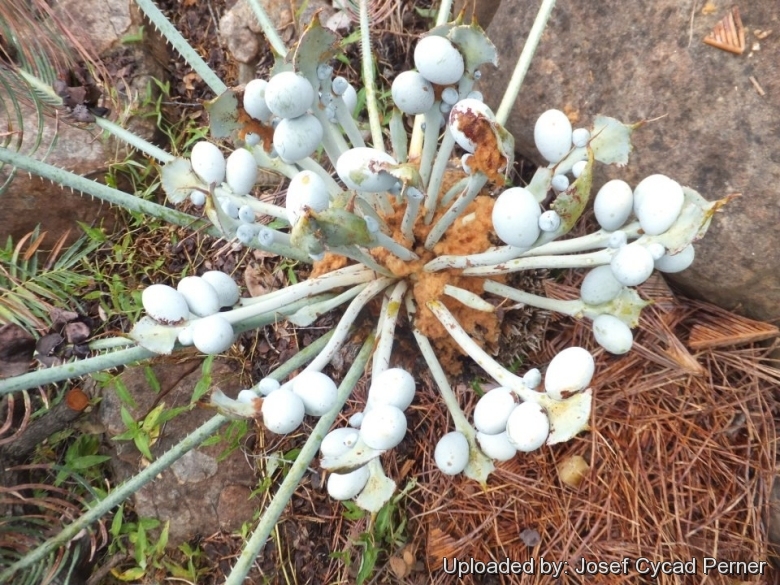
(102, 23)
(202, 492)
(483, 11)
(16, 350)
(711, 128)
(74, 146)
(241, 32)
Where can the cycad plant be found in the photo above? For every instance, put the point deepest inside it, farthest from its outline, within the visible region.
(405, 231)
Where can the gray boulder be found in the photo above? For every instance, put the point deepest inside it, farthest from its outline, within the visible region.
(711, 129)
(70, 144)
(204, 491)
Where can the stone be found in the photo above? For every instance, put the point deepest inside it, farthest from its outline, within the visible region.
(241, 32)
(68, 144)
(709, 127)
(201, 493)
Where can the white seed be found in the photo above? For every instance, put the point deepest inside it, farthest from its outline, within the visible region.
(496, 447)
(560, 182)
(612, 334)
(452, 453)
(246, 214)
(549, 221)
(552, 135)
(254, 100)
(578, 168)
(532, 378)
(569, 372)
(185, 336)
(350, 98)
(528, 427)
(617, 239)
(283, 411)
(384, 426)
(356, 420)
(493, 410)
(394, 386)
(241, 171)
(516, 217)
(632, 264)
(358, 168)
(464, 117)
(201, 297)
(438, 60)
(613, 204)
(337, 442)
(267, 385)
(288, 95)
(316, 390)
(658, 201)
(297, 138)
(198, 198)
(212, 335)
(345, 486)
(412, 93)
(677, 263)
(656, 250)
(226, 287)
(207, 162)
(600, 286)
(164, 304)
(580, 137)
(306, 189)
(228, 206)
(247, 233)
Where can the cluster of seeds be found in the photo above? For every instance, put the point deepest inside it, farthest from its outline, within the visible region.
(391, 215)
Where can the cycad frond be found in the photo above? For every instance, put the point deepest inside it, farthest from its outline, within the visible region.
(30, 287)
